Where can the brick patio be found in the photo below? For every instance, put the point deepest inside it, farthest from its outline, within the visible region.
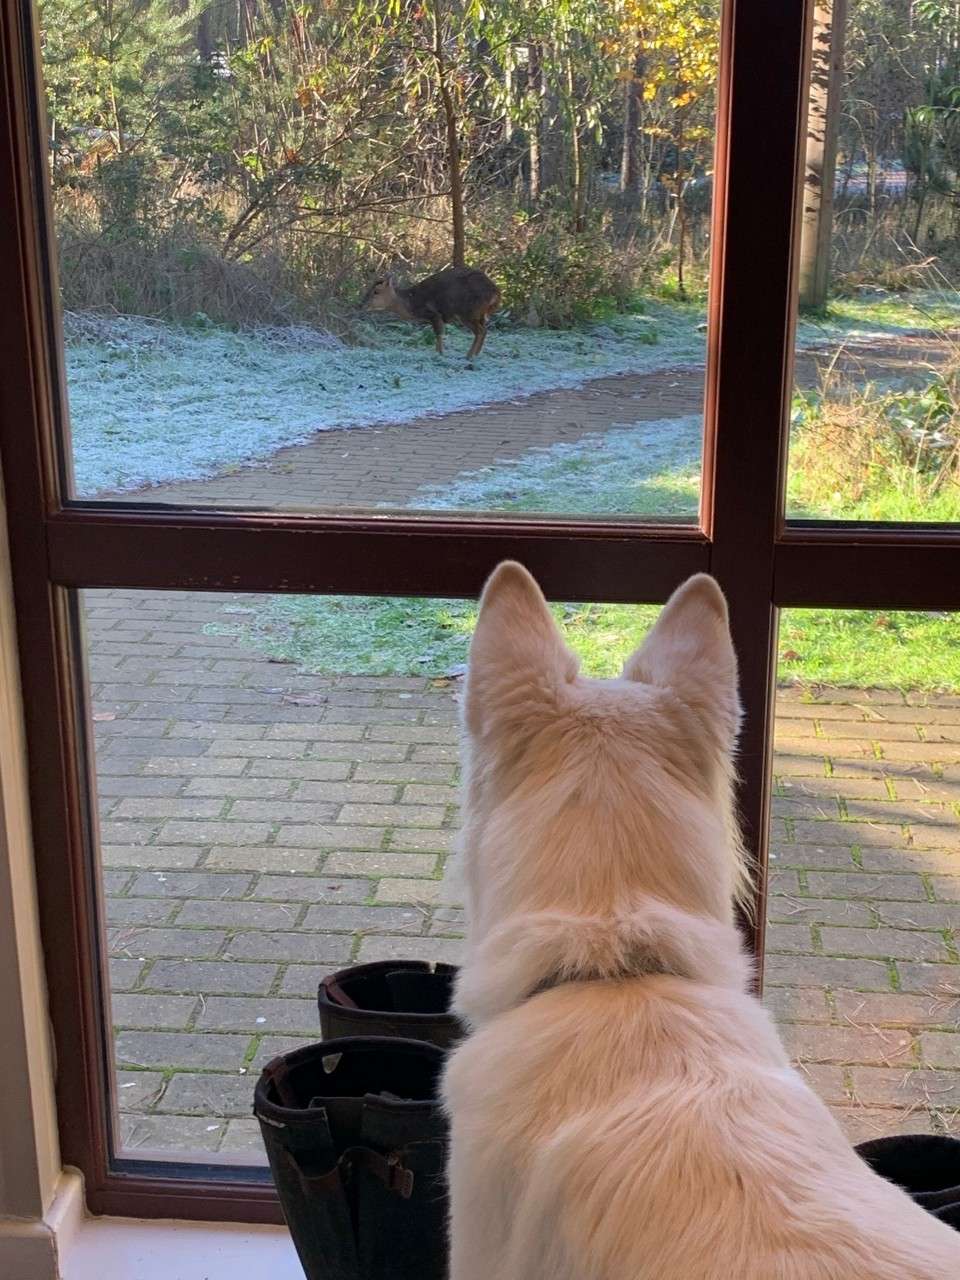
(260, 827)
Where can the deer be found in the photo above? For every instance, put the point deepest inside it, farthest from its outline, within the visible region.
(456, 293)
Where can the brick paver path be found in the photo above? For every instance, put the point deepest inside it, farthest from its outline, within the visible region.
(260, 827)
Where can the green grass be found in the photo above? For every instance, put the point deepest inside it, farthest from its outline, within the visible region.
(886, 505)
(927, 309)
(370, 635)
(365, 635)
(382, 636)
(864, 649)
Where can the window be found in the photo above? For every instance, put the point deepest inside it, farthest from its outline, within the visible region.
(225, 186)
(74, 540)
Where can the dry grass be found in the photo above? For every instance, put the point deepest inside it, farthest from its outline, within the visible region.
(863, 452)
(884, 256)
(171, 278)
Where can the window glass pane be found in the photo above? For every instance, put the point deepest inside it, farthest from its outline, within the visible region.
(875, 432)
(276, 780)
(862, 964)
(229, 180)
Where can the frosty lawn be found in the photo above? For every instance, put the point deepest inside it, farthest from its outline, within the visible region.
(151, 403)
(372, 635)
(369, 635)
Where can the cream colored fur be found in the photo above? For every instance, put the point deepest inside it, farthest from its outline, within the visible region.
(623, 1109)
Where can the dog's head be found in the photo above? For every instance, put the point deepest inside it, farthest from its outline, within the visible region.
(588, 795)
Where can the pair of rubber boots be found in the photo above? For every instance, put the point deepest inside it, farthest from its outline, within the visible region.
(357, 1141)
(355, 1136)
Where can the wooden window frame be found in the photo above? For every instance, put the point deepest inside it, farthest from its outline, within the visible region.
(761, 562)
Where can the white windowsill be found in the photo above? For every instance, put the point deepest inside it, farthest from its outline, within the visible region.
(127, 1249)
(66, 1245)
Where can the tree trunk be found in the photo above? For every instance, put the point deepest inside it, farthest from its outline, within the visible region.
(826, 84)
(578, 150)
(681, 203)
(454, 171)
(508, 91)
(535, 90)
(921, 194)
(576, 173)
(873, 174)
(204, 37)
(583, 186)
(630, 155)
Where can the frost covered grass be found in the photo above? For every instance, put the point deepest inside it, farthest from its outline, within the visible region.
(372, 635)
(647, 469)
(151, 403)
(368, 635)
(876, 312)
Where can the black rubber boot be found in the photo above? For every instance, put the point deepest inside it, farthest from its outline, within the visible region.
(357, 1146)
(927, 1166)
(408, 998)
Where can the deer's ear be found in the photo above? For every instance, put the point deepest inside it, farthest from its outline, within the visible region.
(518, 660)
(690, 651)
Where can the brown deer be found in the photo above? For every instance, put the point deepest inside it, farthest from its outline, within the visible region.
(457, 293)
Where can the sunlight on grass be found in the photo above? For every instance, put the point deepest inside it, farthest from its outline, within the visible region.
(368, 635)
(897, 310)
(849, 647)
(869, 452)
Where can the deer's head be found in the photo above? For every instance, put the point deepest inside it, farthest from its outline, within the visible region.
(381, 296)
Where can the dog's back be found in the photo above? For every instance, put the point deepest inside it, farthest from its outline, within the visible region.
(623, 1109)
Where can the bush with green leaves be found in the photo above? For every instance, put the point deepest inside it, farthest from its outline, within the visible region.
(553, 277)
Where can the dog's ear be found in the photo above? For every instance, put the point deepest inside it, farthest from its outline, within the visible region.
(690, 651)
(518, 660)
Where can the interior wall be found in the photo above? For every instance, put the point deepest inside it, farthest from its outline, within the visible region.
(29, 1154)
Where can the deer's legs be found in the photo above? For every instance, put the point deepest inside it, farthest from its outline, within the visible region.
(479, 328)
(437, 322)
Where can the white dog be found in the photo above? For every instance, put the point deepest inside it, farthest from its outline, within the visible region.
(623, 1109)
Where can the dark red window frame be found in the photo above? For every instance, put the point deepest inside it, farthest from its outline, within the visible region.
(762, 563)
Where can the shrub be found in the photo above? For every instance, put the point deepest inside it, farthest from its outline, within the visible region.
(552, 277)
